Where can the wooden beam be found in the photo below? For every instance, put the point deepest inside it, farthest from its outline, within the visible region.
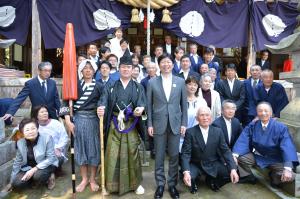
(35, 40)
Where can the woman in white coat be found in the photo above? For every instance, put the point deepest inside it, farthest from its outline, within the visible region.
(211, 97)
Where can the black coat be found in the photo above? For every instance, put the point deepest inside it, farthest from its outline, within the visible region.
(266, 65)
(236, 129)
(207, 156)
(237, 95)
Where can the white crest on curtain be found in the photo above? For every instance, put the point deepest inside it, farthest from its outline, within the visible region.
(7, 15)
(105, 20)
(273, 25)
(192, 24)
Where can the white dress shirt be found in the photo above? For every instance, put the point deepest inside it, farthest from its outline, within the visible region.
(229, 129)
(95, 59)
(195, 57)
(204, 133)
(169, 48)
(157, 67)
(231, 83)
(264, 126)
(167, 85)
(252, 81)
(178, 63)
(41, 82)
(185, 73)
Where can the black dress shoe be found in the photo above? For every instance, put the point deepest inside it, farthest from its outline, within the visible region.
(173, 192)
(212, 184)
(248, 179)
(159, 192)
(193, 188)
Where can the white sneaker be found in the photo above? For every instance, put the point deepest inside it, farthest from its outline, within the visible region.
(140, 190)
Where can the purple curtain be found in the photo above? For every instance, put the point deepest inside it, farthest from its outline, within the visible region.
(208, 23)
(15, 17)
(272, 22)
(55, 14)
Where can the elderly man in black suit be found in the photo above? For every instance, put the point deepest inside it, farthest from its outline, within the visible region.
(233, 89)
(230, 125)
(203, 144)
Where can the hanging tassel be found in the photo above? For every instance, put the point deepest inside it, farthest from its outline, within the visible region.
(220, 2)
(166, 16)
(152, 16)
(135, 16)
(141, 15)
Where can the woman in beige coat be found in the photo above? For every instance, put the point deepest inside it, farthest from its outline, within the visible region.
(211, 97)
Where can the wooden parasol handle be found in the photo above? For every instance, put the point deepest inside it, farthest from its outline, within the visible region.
(103, 190)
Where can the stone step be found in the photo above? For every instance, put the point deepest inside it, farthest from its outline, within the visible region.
(286, 190)
(7, 151)
(5, 172)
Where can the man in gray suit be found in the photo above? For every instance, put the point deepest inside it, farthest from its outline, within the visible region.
(167, 119)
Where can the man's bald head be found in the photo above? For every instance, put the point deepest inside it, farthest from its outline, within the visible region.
(267, 78)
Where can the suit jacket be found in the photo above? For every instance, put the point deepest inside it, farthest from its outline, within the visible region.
(108, 83)
(195, 66)
(237, 95)
(161, 111)
(215, 103)
(250, 106)
(43, 154)
(34, 90)
(176, 69)
(236, 129)
(219, 61)
(194, 150)
(191, 73)
(172, 49)
(266, 65)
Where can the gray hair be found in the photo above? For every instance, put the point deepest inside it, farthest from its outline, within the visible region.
(204, 76)
(255, 65)
(212, 70)
(42, 65)
(204, 108)
(228, 102)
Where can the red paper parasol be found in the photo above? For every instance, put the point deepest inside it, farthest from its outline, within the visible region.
(69, 89)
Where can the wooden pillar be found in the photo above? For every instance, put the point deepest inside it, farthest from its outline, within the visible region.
(251, 52)
(35, 39)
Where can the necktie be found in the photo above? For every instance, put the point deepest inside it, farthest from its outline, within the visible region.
(254, 83)
(264, 128)
(44, 87)
(104, 82)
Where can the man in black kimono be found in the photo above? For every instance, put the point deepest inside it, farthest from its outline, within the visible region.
(123, 103)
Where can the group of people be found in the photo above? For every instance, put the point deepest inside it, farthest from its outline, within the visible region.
(208, 126)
